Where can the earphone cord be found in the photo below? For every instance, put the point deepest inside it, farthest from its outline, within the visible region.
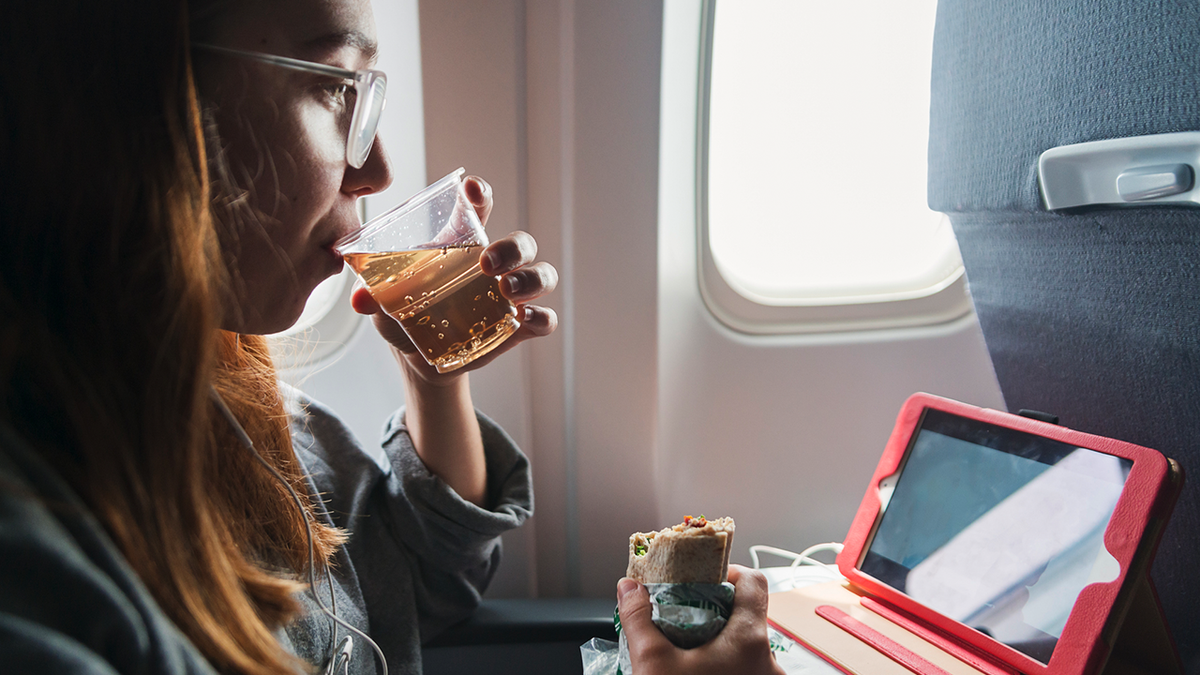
(312, 575)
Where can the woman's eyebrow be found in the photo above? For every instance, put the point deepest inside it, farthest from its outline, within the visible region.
(351, 38)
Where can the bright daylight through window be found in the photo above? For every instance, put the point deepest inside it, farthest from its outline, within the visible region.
(818, 124)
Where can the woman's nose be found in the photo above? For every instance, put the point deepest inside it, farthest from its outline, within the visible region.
(375, 175)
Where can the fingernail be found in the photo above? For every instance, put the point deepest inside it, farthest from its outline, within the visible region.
(483, 190)
(493, 259)
(512, 284)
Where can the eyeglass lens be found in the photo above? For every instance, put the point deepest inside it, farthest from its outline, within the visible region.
(365, 123)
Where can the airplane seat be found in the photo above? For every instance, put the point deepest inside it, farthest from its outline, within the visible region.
(1090, 313)
(520, 636)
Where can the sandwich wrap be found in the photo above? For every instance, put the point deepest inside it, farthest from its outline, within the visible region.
(695, 551)
(685, 569)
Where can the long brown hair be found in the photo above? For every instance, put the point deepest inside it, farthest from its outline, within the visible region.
(110, 284)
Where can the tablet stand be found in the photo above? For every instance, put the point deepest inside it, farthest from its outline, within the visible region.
(864, 636)
(864, 626)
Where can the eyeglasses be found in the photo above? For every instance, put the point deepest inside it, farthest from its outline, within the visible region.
(369, 87)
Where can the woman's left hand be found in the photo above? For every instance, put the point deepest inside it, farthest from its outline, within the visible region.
(522, 280)
(742, 647)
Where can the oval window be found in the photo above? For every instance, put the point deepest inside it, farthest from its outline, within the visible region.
(815, 156)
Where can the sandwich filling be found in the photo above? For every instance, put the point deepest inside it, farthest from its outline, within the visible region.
(694, 551)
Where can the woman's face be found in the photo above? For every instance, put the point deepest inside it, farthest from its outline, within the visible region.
(284, 136)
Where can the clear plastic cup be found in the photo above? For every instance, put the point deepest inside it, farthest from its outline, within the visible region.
(420, 261)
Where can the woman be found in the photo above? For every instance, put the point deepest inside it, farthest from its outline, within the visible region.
(167, 204)
(164, 204)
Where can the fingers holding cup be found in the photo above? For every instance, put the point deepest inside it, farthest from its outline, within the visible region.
(523, 281)
(521, 278)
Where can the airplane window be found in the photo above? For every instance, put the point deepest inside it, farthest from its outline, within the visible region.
(323, 329)
(321, 301)
(818, 118)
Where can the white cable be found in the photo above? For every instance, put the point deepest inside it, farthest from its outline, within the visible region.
(802, 558)
(312, 575)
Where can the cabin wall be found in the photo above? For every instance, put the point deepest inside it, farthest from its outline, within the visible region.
(642, 407)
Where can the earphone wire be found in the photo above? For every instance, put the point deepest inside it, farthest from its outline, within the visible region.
(244, 438)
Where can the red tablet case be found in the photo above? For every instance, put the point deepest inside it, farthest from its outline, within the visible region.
(861, 625)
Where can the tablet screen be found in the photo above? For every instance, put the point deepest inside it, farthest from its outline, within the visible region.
(997, 529)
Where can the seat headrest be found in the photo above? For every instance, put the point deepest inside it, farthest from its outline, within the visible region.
(1012, 79)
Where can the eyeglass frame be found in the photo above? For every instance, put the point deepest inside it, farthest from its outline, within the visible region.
(365, 81)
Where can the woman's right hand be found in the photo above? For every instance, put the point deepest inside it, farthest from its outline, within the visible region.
(741, 647)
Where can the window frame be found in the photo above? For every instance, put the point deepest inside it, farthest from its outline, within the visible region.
(941, 303)
(323, 339)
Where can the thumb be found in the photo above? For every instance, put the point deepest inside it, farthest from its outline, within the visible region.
(388, 326)
(633, 606)
(362, 301)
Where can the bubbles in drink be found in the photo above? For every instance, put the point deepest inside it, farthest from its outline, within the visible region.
(452, 323)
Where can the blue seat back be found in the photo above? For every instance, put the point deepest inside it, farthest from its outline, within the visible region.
(1092, 315)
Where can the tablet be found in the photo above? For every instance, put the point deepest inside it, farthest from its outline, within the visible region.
(1014, 535)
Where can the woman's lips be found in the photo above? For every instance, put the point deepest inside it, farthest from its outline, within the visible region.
(336, 262)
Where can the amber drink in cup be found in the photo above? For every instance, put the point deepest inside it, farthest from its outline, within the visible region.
(420, 261)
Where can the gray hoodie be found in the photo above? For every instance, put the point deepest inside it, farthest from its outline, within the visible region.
(417, 560)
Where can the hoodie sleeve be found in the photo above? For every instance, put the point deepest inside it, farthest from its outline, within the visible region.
(416, 545)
